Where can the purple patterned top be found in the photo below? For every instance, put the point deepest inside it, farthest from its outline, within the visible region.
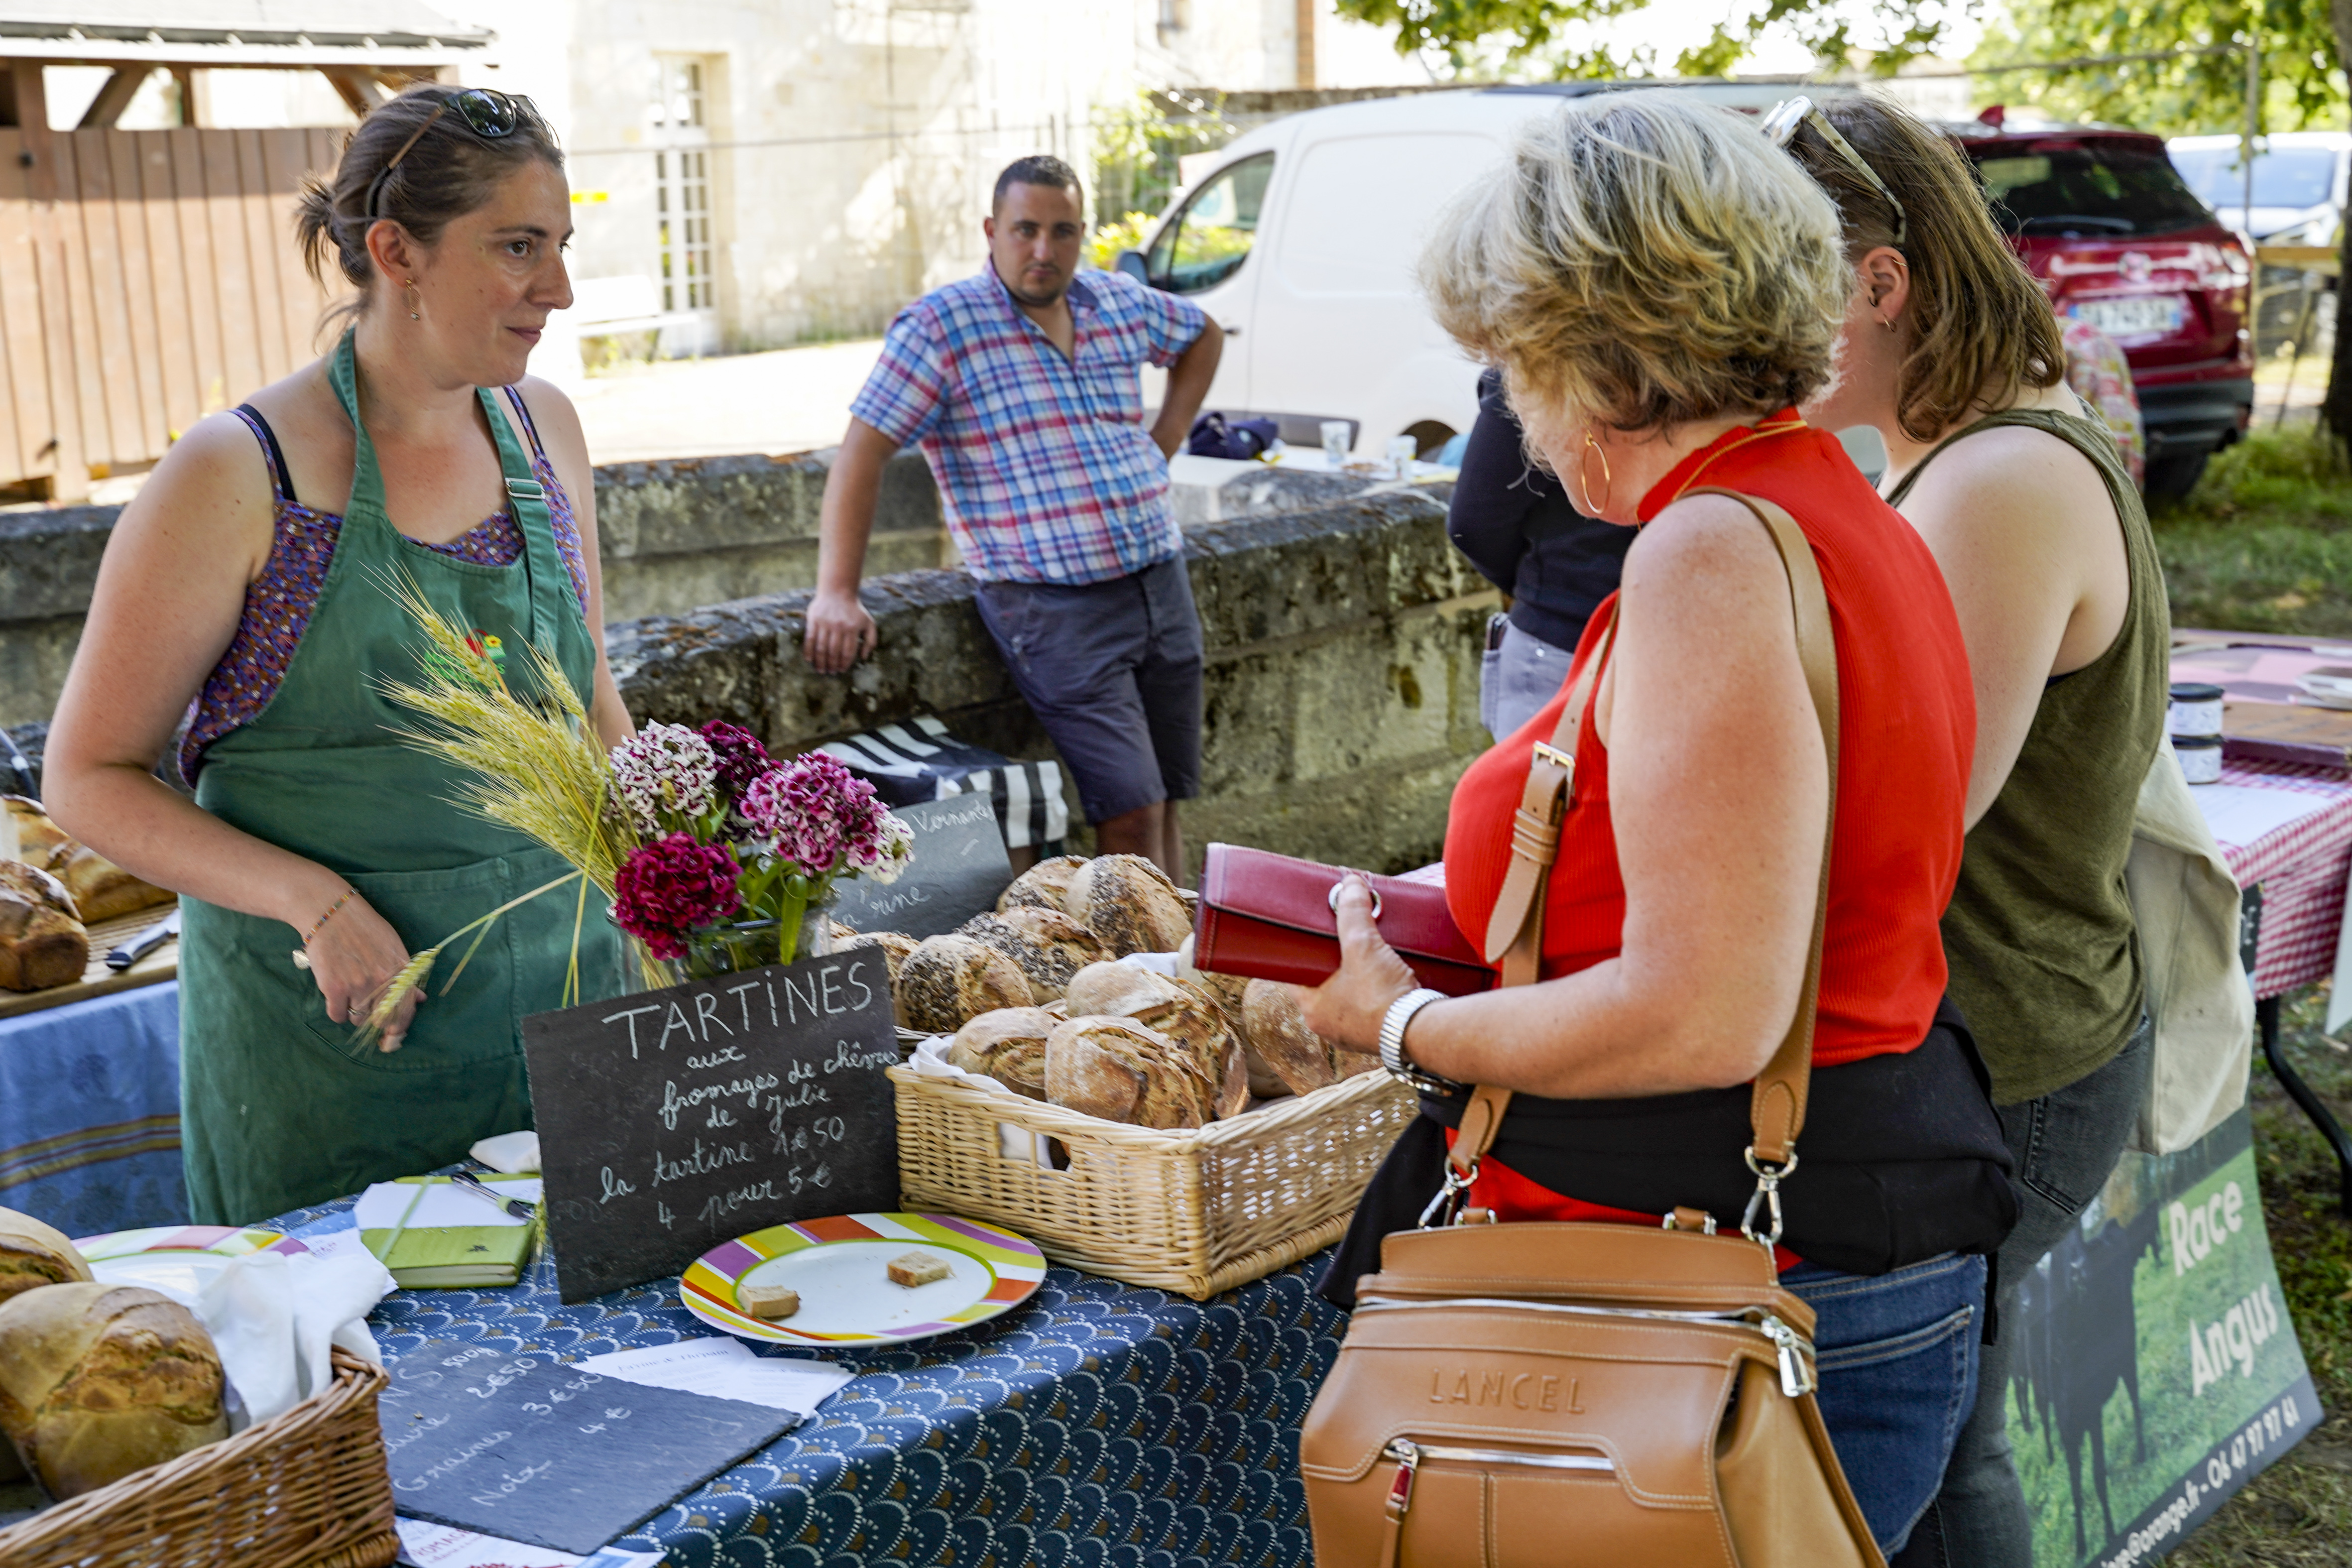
(279, 603)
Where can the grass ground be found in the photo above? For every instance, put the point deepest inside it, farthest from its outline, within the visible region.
(2264, 543)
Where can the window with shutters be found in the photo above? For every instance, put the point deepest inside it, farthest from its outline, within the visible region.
(682, 186)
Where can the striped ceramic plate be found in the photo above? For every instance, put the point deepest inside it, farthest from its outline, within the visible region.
(840, 1267)
(177, 1259)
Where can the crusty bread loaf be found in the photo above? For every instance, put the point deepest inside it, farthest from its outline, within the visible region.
(1185, 1014)
(36, 835)
(1043, 885)
(1045, 977)
(1130, 904)
(33, 1254)
(895, 948)
(100, 889)
(1068, 945)
(99, 1380)
(948, 981)
(1009, 1046)
(42, 941)
(1121, 1070)
(1280, 1044)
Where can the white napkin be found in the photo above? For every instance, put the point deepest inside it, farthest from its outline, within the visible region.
(726, 1369)
(930, 1060)
(515, 1153)
(274, 1317)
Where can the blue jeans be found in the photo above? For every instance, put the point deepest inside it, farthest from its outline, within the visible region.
(1517, 679)
(1897, 1358)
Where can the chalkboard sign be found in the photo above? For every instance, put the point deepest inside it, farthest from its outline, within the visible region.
(958, 870)
(672, 1121)
(518, 1444)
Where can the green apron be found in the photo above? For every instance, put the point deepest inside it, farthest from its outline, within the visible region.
(276, 1110)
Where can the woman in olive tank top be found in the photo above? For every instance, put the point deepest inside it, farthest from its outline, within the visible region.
(1951, 352)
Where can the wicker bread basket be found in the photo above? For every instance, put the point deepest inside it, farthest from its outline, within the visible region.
(1196, 1212)
(304, 1489)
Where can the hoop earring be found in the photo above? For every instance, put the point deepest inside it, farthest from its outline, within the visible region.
(416, 298)
(1608, 482)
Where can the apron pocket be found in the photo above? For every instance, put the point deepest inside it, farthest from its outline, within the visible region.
(473, 1024)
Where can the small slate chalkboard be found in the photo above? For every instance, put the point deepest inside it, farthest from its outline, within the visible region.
(672, 1121)
(958, 870)
(518, 1444)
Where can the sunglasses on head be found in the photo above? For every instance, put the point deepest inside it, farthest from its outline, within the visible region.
(1790, 115)
(487, 113)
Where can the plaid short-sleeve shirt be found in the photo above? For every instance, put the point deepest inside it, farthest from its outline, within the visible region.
(1046, 471)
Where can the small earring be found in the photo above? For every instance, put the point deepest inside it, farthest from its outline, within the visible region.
(1887, 322)
(1608, 482)
(410, 287)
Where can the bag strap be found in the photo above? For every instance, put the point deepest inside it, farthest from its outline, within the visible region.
(1515, 930)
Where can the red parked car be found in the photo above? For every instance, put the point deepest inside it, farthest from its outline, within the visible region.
(2120, 241)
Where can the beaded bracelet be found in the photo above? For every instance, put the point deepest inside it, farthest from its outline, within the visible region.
(322, 920)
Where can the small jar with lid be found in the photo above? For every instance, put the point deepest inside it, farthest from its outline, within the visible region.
(2201, 758)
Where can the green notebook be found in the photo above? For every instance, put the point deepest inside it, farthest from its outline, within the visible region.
(452, 1257)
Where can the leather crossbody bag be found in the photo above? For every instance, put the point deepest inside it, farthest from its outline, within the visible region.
(1584, 1395)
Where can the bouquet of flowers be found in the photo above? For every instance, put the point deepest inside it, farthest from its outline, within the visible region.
(736, 848)
(709, 851)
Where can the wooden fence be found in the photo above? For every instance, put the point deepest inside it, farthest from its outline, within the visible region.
(147, 279)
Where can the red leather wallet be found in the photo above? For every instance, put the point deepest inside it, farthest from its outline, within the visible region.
(1269, 916)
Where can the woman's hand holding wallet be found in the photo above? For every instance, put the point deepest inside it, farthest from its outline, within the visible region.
(1347, 1009)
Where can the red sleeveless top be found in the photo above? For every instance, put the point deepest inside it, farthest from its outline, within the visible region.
(1906, 736)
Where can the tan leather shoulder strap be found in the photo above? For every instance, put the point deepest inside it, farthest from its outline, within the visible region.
(1515, 930)
(1777, 1110)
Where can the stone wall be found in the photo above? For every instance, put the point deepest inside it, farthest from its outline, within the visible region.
(1342, 681)
(673, 535)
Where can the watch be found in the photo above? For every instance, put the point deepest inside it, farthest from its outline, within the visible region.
(1392, 1027)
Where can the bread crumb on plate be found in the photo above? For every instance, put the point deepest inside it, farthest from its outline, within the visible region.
(912, 1268)
(768, 1300)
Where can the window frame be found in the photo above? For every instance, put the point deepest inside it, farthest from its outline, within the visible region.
(1163, 244)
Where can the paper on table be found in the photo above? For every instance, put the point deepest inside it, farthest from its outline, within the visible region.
(2241, 814)
(424, 1544)
(444, 1204)
(724, 1369)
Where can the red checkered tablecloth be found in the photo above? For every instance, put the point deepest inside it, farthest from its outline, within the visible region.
(2301, 868)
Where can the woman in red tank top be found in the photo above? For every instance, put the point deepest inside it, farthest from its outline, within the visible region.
(1699, 302)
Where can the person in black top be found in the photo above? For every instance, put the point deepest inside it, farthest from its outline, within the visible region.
(1514, 524)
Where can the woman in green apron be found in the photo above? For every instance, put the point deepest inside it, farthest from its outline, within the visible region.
(320, 850)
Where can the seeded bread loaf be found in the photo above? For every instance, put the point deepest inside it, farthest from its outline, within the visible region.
(1130, 904)
(1068, 946)
(1043, 885)
(948, 981)
(99, 1381)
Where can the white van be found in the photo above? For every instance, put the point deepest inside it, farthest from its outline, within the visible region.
(1300, 239)
(2300, 183)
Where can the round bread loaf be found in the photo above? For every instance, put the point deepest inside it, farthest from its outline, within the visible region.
(1227, 989)
(1184, 1013)
(99, 1380)
(895, 947)
(43, 942)
(1123, 1071)
(1130, 904)
(1045, 973)
(33, 1254)
(1071, 945)
(1009, 1046)
(1281, 1048)
(948, 981)
(1043, 885)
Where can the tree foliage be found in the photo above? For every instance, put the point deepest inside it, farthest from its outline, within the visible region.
(2200, 86)
(1554, 37)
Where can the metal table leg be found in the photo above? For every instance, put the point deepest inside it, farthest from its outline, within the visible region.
(2266, 1013)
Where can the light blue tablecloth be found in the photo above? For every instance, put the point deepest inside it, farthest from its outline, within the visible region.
(89, 1112)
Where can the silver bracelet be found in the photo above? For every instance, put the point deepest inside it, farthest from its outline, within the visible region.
(1393, 1056)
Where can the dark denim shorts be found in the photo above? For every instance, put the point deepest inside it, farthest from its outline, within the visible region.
(1897, 1358)
(1113, 671)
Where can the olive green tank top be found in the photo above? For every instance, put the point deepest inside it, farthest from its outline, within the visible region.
(2045, 958)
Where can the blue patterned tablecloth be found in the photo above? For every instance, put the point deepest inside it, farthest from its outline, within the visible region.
(89, 1112)
(1097, 1424)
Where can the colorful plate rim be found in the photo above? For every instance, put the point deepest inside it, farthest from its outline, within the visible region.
(218, 1240)
(708, 1287)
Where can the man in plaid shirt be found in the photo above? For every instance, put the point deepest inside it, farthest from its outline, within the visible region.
(1020, 385)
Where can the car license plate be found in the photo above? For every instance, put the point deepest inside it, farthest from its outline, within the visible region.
(2138, 316)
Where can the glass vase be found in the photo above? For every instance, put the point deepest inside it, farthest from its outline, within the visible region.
(804, 930)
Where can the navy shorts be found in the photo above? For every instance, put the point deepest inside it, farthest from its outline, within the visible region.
(1113, 671)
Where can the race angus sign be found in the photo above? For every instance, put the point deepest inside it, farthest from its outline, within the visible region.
(2154, 1371)
(672, 1121)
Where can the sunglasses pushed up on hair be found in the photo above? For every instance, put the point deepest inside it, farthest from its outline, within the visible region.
(488, 113)
(1791, 115)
